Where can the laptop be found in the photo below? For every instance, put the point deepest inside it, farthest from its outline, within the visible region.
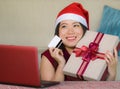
(19, 65)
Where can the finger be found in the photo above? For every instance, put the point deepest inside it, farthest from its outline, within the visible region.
(61, 53)
(109, 56)
(115, 54)
(106, 59)
(58, 51)
(51, 50)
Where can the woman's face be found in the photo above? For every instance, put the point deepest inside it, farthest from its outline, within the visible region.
(70, 32)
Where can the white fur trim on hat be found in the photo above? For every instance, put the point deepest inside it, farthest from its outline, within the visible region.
(70, 16)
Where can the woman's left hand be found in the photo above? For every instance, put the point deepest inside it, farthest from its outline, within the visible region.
(112, 60)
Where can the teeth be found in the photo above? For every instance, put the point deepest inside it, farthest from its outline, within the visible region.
(71, 38)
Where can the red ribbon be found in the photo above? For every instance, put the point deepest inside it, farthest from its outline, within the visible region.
(89, 53)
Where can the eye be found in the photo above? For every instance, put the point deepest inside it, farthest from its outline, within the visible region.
(76, 25)
(63, 26)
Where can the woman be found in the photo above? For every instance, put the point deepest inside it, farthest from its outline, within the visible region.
(71, 25)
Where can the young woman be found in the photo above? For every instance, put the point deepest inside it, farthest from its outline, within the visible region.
(71, 25)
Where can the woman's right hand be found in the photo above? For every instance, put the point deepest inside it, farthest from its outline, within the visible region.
(57, 54)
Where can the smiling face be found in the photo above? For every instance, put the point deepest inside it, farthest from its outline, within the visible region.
(70, 32)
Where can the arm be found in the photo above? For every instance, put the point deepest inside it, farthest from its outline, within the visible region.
(47, 71)
(112, 60)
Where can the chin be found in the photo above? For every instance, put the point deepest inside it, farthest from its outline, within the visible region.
(71, 46)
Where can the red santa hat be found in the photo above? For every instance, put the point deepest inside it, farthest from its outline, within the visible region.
(76, 12)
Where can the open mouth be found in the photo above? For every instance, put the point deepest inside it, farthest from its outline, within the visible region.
(71, 38)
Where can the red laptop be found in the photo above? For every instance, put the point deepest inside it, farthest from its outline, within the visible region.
(19, 65)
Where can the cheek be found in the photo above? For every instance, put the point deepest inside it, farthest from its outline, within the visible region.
(79, 33)
(62, 33)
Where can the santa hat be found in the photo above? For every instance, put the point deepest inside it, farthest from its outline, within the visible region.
(76, 12)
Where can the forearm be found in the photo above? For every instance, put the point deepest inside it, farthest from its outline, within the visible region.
(59, 75)
(111, 78)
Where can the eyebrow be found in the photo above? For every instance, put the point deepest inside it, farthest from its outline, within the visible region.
(75, 22)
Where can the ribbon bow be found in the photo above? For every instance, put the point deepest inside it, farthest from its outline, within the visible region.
(89, 53)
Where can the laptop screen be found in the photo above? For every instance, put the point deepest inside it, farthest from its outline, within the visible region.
(19, 65)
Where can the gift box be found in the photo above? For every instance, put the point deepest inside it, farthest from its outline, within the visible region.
(87, 60)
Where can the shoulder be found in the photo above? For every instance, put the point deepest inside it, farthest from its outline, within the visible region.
(46, 53)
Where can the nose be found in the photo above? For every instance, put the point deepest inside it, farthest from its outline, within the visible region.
(70, 30)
